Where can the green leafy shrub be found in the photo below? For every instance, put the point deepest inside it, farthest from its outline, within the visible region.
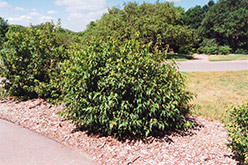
(224, 50)
(209, 46)
(237, 129)
(120, 89)
(241, 51)
(30, 60)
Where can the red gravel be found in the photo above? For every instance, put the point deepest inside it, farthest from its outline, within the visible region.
(203, 145)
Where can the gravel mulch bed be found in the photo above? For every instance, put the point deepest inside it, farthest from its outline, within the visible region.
(202, 145)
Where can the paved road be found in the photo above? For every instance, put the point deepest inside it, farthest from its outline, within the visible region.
(201, 64)
(20, 146)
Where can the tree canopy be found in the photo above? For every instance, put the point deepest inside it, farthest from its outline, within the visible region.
(200, 29)
(160, 23)
(227, 22)
(194, 16)
(3, 29)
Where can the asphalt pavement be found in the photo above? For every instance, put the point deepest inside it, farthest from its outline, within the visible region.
(201, 64)
(20, 146)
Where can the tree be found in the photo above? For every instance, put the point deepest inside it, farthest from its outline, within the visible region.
(3, 29)
(227, 22)
(160, 23)
(194, 16)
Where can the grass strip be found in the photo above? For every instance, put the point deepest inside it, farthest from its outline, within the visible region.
(228, 57)
(217, 92)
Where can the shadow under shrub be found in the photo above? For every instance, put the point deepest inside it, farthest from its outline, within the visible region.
(237, 130)
(30, 61)
(120, 89)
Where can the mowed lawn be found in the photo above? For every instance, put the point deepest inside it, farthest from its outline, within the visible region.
(233, 57)
(217, 92)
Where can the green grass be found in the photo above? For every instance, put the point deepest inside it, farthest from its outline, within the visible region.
(228, 57)
(217, 92)
(1, 89)
(1, 92)
(179, 57)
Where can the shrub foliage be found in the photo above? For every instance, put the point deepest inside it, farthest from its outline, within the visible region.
(209, 46)
(121, 89)
(237, 129)
(30, 59)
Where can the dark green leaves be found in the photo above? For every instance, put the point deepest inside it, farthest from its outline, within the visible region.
(227, 22)
(124, 90)
(3, 30)
(209, 46)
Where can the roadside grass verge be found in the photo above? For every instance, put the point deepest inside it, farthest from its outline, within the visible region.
(228, 57)
(179, 57)
(217, 92)
(1, 92)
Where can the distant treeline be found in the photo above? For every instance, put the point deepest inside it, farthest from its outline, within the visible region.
(215, 28)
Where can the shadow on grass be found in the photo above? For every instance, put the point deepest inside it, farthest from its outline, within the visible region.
(156, 136)
(179, 57)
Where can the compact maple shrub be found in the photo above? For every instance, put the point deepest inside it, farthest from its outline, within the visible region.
(237, 129)
(30, 61)
(121, 89)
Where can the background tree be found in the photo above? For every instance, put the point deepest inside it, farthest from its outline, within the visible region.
(227, 22)
(160, 23)
(3, 30)
(194, 16)
(63, 36)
